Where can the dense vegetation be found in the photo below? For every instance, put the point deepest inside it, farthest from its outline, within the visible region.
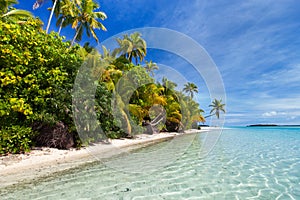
(37, 74)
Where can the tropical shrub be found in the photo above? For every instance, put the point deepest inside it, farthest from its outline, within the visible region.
(37, 71)
(15, 139)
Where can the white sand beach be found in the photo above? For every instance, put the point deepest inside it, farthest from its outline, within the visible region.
(45, 161)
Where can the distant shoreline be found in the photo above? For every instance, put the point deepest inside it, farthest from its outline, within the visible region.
(271, 125)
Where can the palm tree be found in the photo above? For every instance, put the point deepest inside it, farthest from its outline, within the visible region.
(66, 13)
(52, 11)
(87, 19)
(132, 46)
(168, 86)
(88, 47)
(190, 88)
(174, 115)
(191, 112)
(139, 48)
(217, 106)
(55, 7)
(66, 8)
(150, 67)
(7, 12)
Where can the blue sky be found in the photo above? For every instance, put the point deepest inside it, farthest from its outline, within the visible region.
(255, 45)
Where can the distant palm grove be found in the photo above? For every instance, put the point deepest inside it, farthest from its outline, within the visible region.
(37, 73)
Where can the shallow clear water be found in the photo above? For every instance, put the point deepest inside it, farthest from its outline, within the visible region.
(246, 163)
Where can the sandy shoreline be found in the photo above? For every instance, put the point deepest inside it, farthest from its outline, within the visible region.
(45, 161)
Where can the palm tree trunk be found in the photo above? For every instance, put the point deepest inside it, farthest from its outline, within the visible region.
(126, 123)
(209, 115)
(77, 32)
(60, 26)
(51, 15)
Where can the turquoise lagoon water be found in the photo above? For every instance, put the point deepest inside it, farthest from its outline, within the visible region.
(246, 163)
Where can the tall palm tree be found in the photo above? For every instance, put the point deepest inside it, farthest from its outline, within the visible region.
(125, 46)
(55, 7)
(87, 19)
(7, 12)
(190, 88)
(217, 106)
(132, 46)
(66, 13)
(150, 67)
(139, 49)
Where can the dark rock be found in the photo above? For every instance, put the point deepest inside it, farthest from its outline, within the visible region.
(54, 136)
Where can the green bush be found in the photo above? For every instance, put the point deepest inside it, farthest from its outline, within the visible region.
(15, 139)
(33, 67)
(37, 71)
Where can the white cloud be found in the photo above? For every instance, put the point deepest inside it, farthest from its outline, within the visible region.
(270, 114)
(290, 117)
(286, 76)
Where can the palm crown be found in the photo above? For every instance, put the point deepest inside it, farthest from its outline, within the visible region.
(132, 46)
(81, 14)
(150, 67)
(190, 88)
(7, 12)
(87, 19)
(217, 106)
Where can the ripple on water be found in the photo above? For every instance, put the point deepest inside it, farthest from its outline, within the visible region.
(243, 165)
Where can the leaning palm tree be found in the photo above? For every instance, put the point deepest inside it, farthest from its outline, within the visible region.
(190, 88)
(6, 10)
(150, 67)
(87, 19)
(217, 106)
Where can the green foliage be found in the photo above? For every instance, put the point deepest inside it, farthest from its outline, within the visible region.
(190, 88)
(132, 46)
(86, 18)
(15, 139)
(37, 74)
(9, 13)
(37, 71)
(105, 114)
(180, 112)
